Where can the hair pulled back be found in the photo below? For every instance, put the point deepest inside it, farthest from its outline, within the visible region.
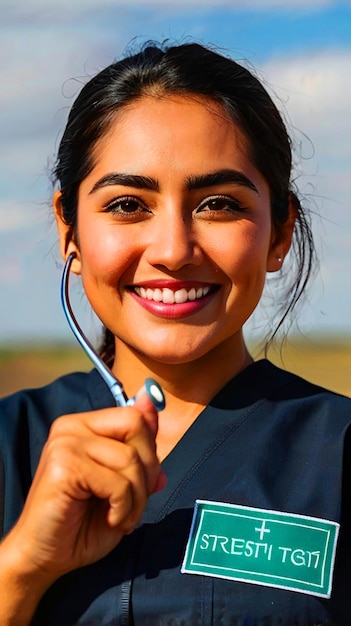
(187, 69)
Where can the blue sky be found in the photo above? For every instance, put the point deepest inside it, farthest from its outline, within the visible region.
(301, 49)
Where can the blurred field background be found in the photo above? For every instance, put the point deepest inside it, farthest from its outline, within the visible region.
(325, 361)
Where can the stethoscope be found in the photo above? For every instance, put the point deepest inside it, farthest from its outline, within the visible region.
(152, 388)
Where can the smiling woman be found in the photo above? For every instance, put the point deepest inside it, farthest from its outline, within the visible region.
(230, 87)
(194, 221)
(174, 198)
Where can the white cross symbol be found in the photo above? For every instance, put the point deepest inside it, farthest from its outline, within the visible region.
(262, 530)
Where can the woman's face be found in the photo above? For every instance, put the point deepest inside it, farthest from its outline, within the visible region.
(174, 230)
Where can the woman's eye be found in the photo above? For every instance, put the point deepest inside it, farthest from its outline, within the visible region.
(221, 204)
(126, 206)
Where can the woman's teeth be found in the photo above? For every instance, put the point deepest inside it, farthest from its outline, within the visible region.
(167, 296)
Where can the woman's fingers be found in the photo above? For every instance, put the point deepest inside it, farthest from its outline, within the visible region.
(147, 408)
(95, 474)
(125, 425)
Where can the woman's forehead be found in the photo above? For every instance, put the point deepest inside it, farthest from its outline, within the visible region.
(172, 140)
(171, 120)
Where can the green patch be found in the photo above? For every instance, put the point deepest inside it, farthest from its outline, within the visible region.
(264, 547)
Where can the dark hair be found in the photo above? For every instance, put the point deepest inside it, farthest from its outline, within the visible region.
(187, 69)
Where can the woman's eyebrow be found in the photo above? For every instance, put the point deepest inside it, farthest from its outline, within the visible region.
(199, 181)
(220, 177)
(127, 180)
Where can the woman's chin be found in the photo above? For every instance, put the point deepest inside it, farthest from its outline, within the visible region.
(177, 355)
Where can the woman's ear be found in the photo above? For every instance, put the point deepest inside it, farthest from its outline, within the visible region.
(67, 243)
(281, 241)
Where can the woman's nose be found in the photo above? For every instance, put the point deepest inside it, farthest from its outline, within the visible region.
(174, 243)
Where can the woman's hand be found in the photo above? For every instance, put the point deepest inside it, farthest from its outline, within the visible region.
(95, 474)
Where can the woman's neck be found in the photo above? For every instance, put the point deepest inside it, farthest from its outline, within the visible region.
(196, 381)
(188, 387)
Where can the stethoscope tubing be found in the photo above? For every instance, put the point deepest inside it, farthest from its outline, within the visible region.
(152, 388)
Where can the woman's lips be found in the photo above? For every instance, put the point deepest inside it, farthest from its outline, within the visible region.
(177, 302)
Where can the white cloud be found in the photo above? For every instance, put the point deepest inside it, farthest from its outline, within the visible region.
(37, 92)
(316, 91)
(321, 79)
(35, 79)
(16, 216)
(11, 271)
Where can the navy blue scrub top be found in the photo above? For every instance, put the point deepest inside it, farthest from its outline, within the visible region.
(268, 440)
